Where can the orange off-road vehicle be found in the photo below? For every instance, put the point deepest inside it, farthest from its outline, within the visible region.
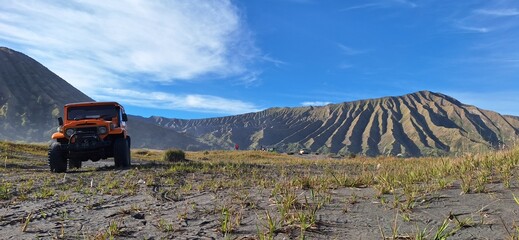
(90, 131)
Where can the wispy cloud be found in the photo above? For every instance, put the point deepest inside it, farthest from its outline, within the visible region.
(407, 3)
(492, 52)
(250, 79)
(315, 103)
(301, 1)
(363, 6)
(276, 62)
(345, 66)
(189, 102)
(505, 12)
(492, 16)
(473, 29)
(381, 4)
(94, 44)
(349, 50)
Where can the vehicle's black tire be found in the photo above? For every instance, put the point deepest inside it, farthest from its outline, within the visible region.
(57, 159)
(129, 140)
(121, 153)
(74, 163)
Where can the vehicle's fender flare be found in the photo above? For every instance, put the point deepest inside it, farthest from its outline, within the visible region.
(117, 131)
(58, 135)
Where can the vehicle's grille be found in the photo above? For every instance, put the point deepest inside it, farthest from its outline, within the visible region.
(86, 130)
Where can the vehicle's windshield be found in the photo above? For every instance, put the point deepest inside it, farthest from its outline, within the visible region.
(92, 112)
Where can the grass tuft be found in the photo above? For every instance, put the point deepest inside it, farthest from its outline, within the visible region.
(174, 155)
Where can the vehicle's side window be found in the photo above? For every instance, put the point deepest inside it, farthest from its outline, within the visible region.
(121, 112)
(116, 117)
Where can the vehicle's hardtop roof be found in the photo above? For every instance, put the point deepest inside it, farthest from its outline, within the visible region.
(83, 104)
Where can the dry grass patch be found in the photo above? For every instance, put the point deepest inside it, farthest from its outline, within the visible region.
(286, 194)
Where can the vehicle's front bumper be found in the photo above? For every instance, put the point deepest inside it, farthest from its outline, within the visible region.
(85, 143)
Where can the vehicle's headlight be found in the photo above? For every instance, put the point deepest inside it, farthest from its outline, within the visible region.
(102, 130)
(70, 132)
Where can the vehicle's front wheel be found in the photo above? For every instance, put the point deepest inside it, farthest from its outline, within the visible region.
(57, 160)
(121, 153)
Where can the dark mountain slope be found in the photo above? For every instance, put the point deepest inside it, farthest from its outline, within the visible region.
(148, 135)
(422, 123)
(31, 98)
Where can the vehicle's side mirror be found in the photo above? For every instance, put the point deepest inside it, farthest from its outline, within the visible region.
(125, 117)
(60, 121)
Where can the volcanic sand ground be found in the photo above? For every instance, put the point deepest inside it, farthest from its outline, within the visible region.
(160, 212)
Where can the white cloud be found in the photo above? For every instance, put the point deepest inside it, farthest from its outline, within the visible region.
(276, 62)
(491, 17)
(363, 6)
(407, 3)
(250, 79)
(473, 29)
(505, 12)
(381, 4)
(302, 1)
(190, 102)
(315, 103)
(349, 50)
(113, 43)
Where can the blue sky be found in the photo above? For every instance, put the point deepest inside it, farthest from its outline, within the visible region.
(196, 59)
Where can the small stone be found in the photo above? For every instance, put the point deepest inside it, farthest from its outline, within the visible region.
(138, 215)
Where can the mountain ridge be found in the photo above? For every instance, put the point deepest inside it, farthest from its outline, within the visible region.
(417, 124)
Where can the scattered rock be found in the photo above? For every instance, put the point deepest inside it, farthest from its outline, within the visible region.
(138, 215)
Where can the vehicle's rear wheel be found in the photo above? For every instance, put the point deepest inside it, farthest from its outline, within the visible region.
(74, 163)
(121, 153)
(129, 141)
(57, 160)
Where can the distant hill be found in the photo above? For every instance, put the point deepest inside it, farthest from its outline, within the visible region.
(417, 124)
(32, 98)
(148, 135)
(422, 123)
